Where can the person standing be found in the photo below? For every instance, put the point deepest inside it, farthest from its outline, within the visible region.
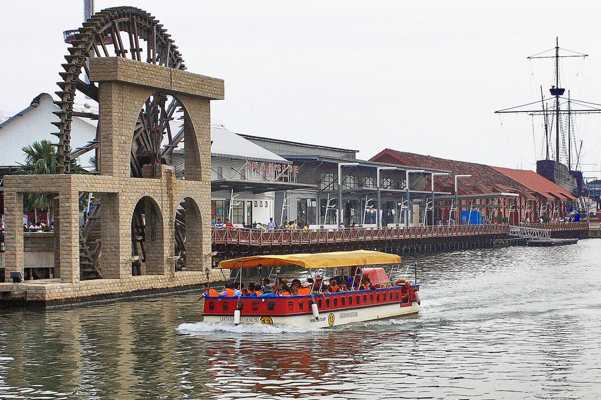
(271, 225)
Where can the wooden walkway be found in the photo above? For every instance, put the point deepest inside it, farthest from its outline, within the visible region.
(282, 237)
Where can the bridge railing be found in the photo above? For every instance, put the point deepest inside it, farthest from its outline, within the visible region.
(560, 226)
(282, 237)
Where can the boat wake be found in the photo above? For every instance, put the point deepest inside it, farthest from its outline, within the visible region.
(203, 328)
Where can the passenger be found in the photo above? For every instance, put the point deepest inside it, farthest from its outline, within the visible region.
(295, 287)
(343, 287)
(251, 291)
(333, 288)
(258, 291)
(211, 292)
(230, 290)
(366, 284)
(267, 286)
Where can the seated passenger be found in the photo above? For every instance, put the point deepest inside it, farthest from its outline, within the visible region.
(284, 290)
(258, 291)
(333, 288)
(295, 287)
(251, 291)
(267, 286)
(343, 287)
(211, 292)
(366, 284)
(230, 290)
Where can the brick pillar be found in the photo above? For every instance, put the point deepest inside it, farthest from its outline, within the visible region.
(69, 236)
(13, 236)
(194, 256)
(116, 245)
(154, 241)
(57, 239)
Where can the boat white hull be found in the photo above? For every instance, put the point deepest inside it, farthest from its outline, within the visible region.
(325, 320)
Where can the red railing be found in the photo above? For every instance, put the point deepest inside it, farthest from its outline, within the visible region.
(282, 237)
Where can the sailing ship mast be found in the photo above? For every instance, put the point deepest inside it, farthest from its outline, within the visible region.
(557, 92)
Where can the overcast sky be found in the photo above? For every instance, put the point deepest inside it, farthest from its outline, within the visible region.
(358, 74)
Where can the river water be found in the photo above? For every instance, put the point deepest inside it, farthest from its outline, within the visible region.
(511, 323)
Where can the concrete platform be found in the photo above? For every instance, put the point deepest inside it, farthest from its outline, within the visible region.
(53, 292)
(551, 242)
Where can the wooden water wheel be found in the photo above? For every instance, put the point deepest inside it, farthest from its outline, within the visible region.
(130, 33)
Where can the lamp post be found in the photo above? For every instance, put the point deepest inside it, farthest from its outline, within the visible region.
(456, 198)
(379, 187)
(433, 205)
(407, 172)
(340, 165)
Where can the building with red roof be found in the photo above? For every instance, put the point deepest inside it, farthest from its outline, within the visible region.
(499, 194)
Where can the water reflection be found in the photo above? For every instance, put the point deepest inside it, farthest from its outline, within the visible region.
(506, 323)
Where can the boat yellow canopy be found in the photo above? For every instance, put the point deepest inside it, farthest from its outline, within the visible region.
(333, 259)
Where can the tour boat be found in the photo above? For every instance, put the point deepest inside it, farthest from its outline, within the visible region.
(319, 309)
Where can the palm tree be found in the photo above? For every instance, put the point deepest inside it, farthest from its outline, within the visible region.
(40, 159)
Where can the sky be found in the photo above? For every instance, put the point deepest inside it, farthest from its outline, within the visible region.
(421, 77)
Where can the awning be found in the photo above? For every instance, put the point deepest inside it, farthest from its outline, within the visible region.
(256, 186)
(335, 259)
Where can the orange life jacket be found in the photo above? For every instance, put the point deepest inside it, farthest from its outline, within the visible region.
(229, 292)
(258, 293)
(334, 289)
(284, 293)
(212, 292)
(303, 291)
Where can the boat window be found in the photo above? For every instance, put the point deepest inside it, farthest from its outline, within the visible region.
(371, 298)
(271, 305)
(396, 295)
(365, 298)
(319, 303)
(358, 299)
(335, 302)
(327, 302)
(290, 306)
(211, 305)
(255, 305)
(350, 300)
(300, 305)
(378, 298)
(240, 306)
(224, 306)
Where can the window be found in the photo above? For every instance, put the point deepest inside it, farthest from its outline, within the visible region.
(335, 302)
(369, 182)
(358, 299)
(211, 305)
(350, 300)
(327, 182)
(238, 212)
(327, 302)
(365, 298)
(349, 182)
(219, 209)
(300, 306)
(387, 183)
(327, 211)
(224, 306)
(271, 305)
(306, 211)
(378, 298)
(319, 303)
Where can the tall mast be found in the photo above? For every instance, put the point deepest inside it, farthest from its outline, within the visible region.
(545, 121)
(557, 92)
(569, 132)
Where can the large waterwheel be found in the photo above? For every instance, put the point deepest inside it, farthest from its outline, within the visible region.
(130, 33)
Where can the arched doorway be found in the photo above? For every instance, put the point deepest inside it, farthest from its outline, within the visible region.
(188, 236)
(148, 254)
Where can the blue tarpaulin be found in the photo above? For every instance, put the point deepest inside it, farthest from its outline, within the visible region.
(474, 217)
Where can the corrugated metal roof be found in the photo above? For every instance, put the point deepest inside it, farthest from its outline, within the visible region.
(537, 183)
(484, 179)
(229, 144)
